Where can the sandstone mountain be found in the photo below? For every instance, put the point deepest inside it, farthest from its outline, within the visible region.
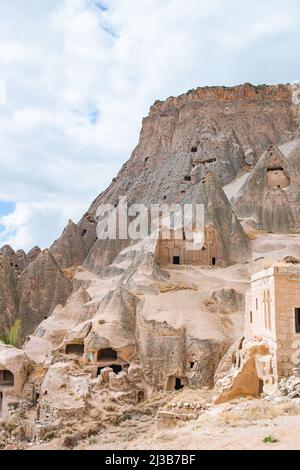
(8, 294)
(275, 187)
(104, 318)
(234, 243)
(225, 130)
(69, 249)
(219, 131)
(42, 285)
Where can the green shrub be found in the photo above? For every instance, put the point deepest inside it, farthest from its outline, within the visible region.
(270, 440)
(14, 336)
(126, 415)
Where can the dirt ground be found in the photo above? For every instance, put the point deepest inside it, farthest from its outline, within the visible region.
(239, 425)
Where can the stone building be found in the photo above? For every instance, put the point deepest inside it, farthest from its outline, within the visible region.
(178, 249)
(273, 313)
(270, 348)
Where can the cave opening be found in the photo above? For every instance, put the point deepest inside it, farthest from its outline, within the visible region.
(107, 354)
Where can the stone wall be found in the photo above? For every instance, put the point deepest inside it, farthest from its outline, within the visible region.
(182, 250)
(287, 285)
(270, 314)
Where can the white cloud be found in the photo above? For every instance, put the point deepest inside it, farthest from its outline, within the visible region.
(2, 92)
(80, 77)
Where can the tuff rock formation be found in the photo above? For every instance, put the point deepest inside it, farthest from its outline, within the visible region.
(8, 294)
(218, 212)
(104, 320)
(69, 249)
(274, 186)
(237, 374)
(183, 133)
(42, 285)
(32, 254)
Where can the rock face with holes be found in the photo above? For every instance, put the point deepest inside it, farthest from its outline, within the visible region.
(117, 319)
(220, 130)
(105, 334)
(274, 186)
(224, 130)
(233, 243)
(189, 148)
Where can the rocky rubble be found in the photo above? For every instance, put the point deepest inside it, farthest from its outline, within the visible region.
(177, 413)
(290, 387)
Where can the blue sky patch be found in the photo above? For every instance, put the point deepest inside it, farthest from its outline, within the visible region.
(109, 30)
(6, 207)
(99, 5)
(93, 116)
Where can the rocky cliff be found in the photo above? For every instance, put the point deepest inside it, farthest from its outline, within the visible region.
(220, 130)
(103, 319)
(165, 326)
(270, 197)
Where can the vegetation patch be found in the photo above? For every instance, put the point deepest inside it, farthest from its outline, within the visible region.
(270, 440)
(14, 336)
(164, 288)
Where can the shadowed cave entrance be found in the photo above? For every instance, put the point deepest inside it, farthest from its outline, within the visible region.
(117, 368)
(261, 387)
(176, 383)
(107, 354)
(77, 349)
(7, 378)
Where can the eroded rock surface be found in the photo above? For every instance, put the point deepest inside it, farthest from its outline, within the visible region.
(107, 325)
(270, 195)
(42, 285)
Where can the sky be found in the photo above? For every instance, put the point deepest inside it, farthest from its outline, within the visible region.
(78, 76)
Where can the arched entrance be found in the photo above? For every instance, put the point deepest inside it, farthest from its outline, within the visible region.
(176, 255)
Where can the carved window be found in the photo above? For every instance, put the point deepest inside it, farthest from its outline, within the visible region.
(107, 354)
(76, 349)
(6, 378)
